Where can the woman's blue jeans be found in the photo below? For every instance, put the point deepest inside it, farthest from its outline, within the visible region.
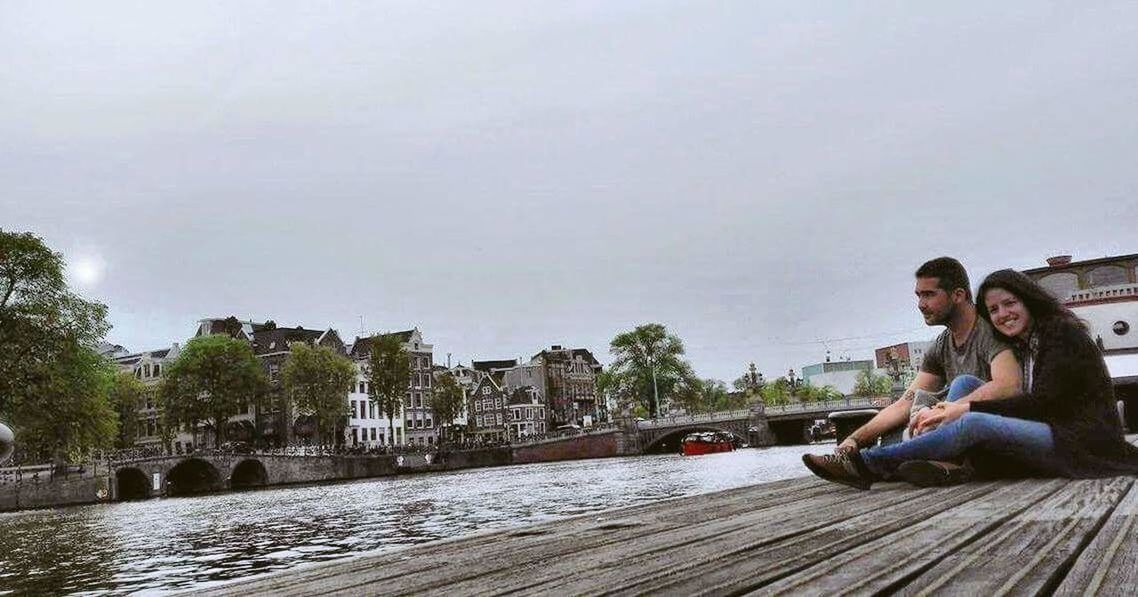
(1027, 444)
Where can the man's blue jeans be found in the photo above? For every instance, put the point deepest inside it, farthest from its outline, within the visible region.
(1027, 444)
(962, 386)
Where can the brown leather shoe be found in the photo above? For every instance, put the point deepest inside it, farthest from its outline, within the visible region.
(839, 468)
(934, 473)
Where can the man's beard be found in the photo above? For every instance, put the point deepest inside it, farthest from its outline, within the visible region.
(943, 318)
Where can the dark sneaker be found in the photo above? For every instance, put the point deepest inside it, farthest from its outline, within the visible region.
(933, 473)
(839, 468)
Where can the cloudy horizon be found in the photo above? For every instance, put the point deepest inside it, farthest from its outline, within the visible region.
(761, 179)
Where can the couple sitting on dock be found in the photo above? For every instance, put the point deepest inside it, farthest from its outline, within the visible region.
(1013, 387)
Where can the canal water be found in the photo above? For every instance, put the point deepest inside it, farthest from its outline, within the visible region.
(190, 542)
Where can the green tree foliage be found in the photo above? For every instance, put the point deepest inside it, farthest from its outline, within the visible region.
(810, 393)
(649, 359)
(318, 381)
(388, 373)
(126, 396)
(871, 384)
(53, 388)
(708, 395)
(617, 389)
(446, 400)
(777, 392)
(211, 379)
(70, 415)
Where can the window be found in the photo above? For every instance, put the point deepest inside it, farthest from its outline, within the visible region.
(477, 406)
(485, 390)
(371, 409)
(146, 370)
(429, 423)
(157, 369)
(1060, 284)
(362, 390)
(427, 380)
(529, 413)
(499, 418)
(1107, 275)
(373, 434)
(354, 415)
(274, 371)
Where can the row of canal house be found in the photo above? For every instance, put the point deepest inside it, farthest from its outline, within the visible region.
(505, 399)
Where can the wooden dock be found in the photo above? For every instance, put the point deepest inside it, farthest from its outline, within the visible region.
(799, 536)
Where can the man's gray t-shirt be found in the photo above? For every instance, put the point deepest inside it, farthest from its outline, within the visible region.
(974, 358)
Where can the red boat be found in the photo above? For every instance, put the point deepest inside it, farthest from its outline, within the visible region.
(706, 442)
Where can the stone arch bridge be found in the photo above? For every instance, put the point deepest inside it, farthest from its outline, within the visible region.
(215, 471)
(758, 426)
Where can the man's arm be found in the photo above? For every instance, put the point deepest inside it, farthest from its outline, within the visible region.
(890, 417)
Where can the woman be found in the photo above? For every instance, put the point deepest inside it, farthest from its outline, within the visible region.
(1065, 423)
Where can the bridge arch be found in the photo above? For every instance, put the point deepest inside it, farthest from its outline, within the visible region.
(192, 476)
(668, 441)
(248, 473)
(131, 484)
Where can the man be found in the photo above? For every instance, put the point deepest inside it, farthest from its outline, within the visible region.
(966, 347)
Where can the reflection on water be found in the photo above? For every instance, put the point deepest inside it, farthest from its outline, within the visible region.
(180, 543)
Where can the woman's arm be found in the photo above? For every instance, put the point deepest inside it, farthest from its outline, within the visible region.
(1064, 368)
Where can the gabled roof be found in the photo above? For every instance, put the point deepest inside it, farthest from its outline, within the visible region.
(567, 353)
(362, 346)
(489, 366)
(266, 341)
(485, 381)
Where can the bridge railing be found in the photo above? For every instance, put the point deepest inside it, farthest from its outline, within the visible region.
(674, 420)
(824, 405)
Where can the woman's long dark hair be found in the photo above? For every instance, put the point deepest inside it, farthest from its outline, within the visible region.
(1044, 308)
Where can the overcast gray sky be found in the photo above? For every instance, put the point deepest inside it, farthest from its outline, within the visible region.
(758, 176)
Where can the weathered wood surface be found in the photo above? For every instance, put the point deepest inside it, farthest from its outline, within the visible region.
(800, 536)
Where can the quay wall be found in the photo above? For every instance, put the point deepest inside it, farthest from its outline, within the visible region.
(601, 445)
(28, 493)
(53, 493)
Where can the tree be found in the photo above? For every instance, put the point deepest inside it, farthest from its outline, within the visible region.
(318, 381)
(446, 400)
(210, 380)
(776, 393)
(53, 387)
(41, 321)
(388, 373)
(126, 394)
(651, 361)
(871, 384)
(812, 393)
(70, 414)
(707, 395)
(621, 391)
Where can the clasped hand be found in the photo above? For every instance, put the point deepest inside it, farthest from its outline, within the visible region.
(935, 416)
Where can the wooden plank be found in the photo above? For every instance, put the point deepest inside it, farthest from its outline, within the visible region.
(887, 562)
(1031, 553)
(624, 563)
(473, 553)
(835, 556)
(1109, 564)
(767, 549)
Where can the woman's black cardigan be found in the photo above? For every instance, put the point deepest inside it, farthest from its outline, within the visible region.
(1073, 393)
